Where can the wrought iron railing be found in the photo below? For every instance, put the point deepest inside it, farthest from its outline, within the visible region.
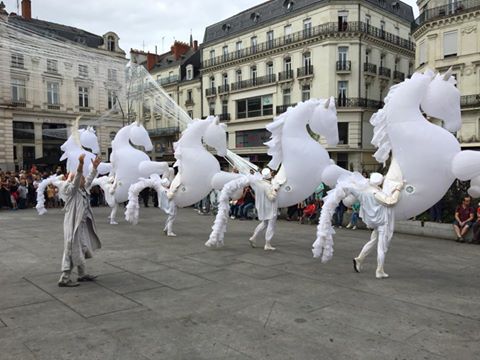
(470, 101)
(282, 108)
(210, 91)
(305, 71)
(384, 71)
(256, 81)
(344, 65)
(223, 89)
(454, 8)
(398, 75)
(342, 102)
(224, 117)
(285, 75)
(370, 68)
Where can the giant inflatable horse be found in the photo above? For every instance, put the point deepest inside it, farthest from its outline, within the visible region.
(198, 170)
(304, 163)
(77, 143)
(128, 165)
(423, 154)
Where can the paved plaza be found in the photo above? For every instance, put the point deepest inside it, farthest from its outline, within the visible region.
(173, 298)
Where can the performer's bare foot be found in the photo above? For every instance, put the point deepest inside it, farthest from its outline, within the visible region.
(253, 242)
(113, 222)
(172, 234)
(268, 246)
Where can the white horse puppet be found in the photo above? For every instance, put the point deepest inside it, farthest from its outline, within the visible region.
(77, 143)
(128, 165)
(198, 171)
(423, 154)
(304, 163)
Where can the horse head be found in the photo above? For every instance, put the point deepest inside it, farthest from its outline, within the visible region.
(139, 136)
(442, 100)
(215, 135)
(324, 121)
(88, 139)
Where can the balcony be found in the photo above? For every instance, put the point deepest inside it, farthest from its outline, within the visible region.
(190, 102)
(469, 101)
(398, 76)
(53, 107)
(344, 66)
(19, 103)
(370, 69)
(344, 102)
(223, 89)
(211, 92)
(384, 72)
(258, 81)
(326, 29)
(285, 75)
(454, 8)
(282, 108)
(166, 131)
(84, 109)
(305, 71)
(224, 117)
(168, 80)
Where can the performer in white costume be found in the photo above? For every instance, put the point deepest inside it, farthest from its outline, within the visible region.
(266, 205)
(80, 237)
(377, 213)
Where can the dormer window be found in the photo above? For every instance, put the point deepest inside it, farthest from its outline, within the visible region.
(255, 16)
(288, 4)
(226, 27)
(111, 43)
(80, 40)
(189, 72)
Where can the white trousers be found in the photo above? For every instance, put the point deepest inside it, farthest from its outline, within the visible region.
(170, 219)
(270, 225)
(383, 237)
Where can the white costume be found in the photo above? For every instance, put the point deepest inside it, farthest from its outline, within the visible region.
(266, 205)
(377, 213)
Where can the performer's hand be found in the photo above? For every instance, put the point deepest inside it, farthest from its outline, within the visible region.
(96, 162)
(81, 158)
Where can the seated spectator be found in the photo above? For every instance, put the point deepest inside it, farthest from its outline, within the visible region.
(476, 228)
(308, 212)
(354, 219)
(248, 202)
(463, 219)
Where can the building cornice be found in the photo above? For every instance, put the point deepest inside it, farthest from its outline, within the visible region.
(439, 23)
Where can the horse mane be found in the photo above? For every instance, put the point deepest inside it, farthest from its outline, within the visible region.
(379, 120)
(275, 142)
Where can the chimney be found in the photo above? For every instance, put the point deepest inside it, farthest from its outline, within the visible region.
(195, 45)
(27, 9)
(151, 61)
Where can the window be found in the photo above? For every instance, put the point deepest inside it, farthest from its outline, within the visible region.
(270, 71)
(307, 62)
(225, 107)
(450, 43)
(287, 32)
(18, 61)
(19, 91)
(342, 20)
(189, 96)
(367, 21)
(305, 92)
(422, 53)
(211, 108)
(111, 43)
(225, 80)
(269, 39)
(238, 75)
(342, 54)
(307, 27)
(382, 28)
(342, 93)
(212, 82)
(212, 54)
(343, 133)
(253, 107)
(225, 52)
(253, 44)
(396, 64)
(251, 138)
(253, 74)
(82, 96)
(382, 60)
(112, 75)
(238, 48)
(23, 130)
(287, 99)
(190, 114)
(112, 99)
(189, 72)
(52, 65)
(287, 64)
(53, 93)
(83, 70)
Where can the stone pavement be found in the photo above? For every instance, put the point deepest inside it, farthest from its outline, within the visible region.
(173, 298)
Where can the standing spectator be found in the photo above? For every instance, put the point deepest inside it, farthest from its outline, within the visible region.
(476, 228)
(145, 194)
(338, 216)
(436, 211)
(22, 194)
(463, 219)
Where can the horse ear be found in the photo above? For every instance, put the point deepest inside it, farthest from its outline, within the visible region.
(447, 75)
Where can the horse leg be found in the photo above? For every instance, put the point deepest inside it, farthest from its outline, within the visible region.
(170, 220)
(269, 233)
(113, 214)
(383, 241)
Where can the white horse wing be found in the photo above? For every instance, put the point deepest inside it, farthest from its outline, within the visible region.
(275, 143)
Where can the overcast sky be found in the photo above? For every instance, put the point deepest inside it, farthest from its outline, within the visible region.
(141, 24)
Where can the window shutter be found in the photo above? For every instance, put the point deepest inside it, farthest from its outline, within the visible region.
(450, 43)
